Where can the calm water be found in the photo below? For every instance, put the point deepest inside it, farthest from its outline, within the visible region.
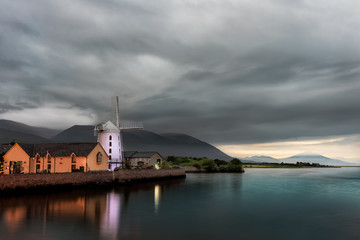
(260, 204)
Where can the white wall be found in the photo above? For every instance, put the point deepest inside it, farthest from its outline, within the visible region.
(114, 145)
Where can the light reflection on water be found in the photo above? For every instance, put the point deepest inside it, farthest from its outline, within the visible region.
(260, 204)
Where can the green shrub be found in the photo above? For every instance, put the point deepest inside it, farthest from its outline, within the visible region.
(235, 161)
(208, 165)
(197, 165)
(220, 162)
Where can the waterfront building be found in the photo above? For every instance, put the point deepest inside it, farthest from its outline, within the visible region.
(110, 139)
(109, 136)
(53, 158)
(142, 159)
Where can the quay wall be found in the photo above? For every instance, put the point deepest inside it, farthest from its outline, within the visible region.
(19, 182)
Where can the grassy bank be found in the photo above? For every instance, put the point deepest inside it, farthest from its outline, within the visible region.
(204, 164)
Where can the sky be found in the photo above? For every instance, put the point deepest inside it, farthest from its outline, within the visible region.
(270, 77)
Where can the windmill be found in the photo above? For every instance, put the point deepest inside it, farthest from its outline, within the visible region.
(109, 136)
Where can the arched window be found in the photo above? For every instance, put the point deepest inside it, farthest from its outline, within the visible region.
(110, 137)
(37, 158)
(73, 162)
(73, 159)
(109, 150)
(99, 157)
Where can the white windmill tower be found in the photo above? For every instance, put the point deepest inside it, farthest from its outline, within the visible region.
(109, 136)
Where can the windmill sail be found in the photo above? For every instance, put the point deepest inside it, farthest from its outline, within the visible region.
(109, 136)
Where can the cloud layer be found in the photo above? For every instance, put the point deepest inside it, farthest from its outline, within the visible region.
(224, 71)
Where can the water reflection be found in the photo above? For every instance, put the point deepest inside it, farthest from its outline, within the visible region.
(157, 196)
(111, 219)
(91, 214)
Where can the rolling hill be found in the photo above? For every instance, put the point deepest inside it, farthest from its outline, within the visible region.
(315, 158)
(7, 136)
(26, 129)
(170, 144)
(304, 157)
(264, 159)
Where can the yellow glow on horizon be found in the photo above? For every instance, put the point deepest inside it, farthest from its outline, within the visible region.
(343, 148)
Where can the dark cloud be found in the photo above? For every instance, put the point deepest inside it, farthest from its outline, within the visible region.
(226, 72)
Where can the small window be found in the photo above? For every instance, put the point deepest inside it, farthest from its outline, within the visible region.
(49, 167)
(109, 150)
(110, 137)
(110, 144)
(99, 157)
(73, 159)
(109, 157)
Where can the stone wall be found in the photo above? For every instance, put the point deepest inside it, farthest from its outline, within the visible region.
(27, 182)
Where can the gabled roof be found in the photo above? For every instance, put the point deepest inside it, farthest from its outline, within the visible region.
(128, 154)
(109, 126)
(4, 148)
(135, 154)
(59, 149)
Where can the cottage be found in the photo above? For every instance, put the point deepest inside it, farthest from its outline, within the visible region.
(140, 159)
(53, 158)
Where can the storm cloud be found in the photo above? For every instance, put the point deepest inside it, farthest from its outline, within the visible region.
(224, 71)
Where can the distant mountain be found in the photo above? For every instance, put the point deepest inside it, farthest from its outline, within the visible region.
(315, 158)
(23, 128)
(77, 133)
(170, 144)
(7, 136)
(264, 159)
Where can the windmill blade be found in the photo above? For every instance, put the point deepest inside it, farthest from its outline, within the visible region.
(131, 125)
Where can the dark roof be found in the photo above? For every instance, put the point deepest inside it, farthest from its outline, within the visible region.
(4, 148)
(135, 154)
(128, 154)
(28, 148)
(58, 149)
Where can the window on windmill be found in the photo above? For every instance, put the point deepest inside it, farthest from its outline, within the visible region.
(109, 157)
(109, 150)
(110, 137)
(110, 144)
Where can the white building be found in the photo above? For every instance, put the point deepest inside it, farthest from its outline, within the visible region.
(110, 139)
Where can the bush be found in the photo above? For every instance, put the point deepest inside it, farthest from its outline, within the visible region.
(165, 165)
(234, 168)
(197, 165)
(209, 165)
(235, 161)
(220, 162)
(117, 168)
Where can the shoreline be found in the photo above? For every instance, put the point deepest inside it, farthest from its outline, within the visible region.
(31, 183)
